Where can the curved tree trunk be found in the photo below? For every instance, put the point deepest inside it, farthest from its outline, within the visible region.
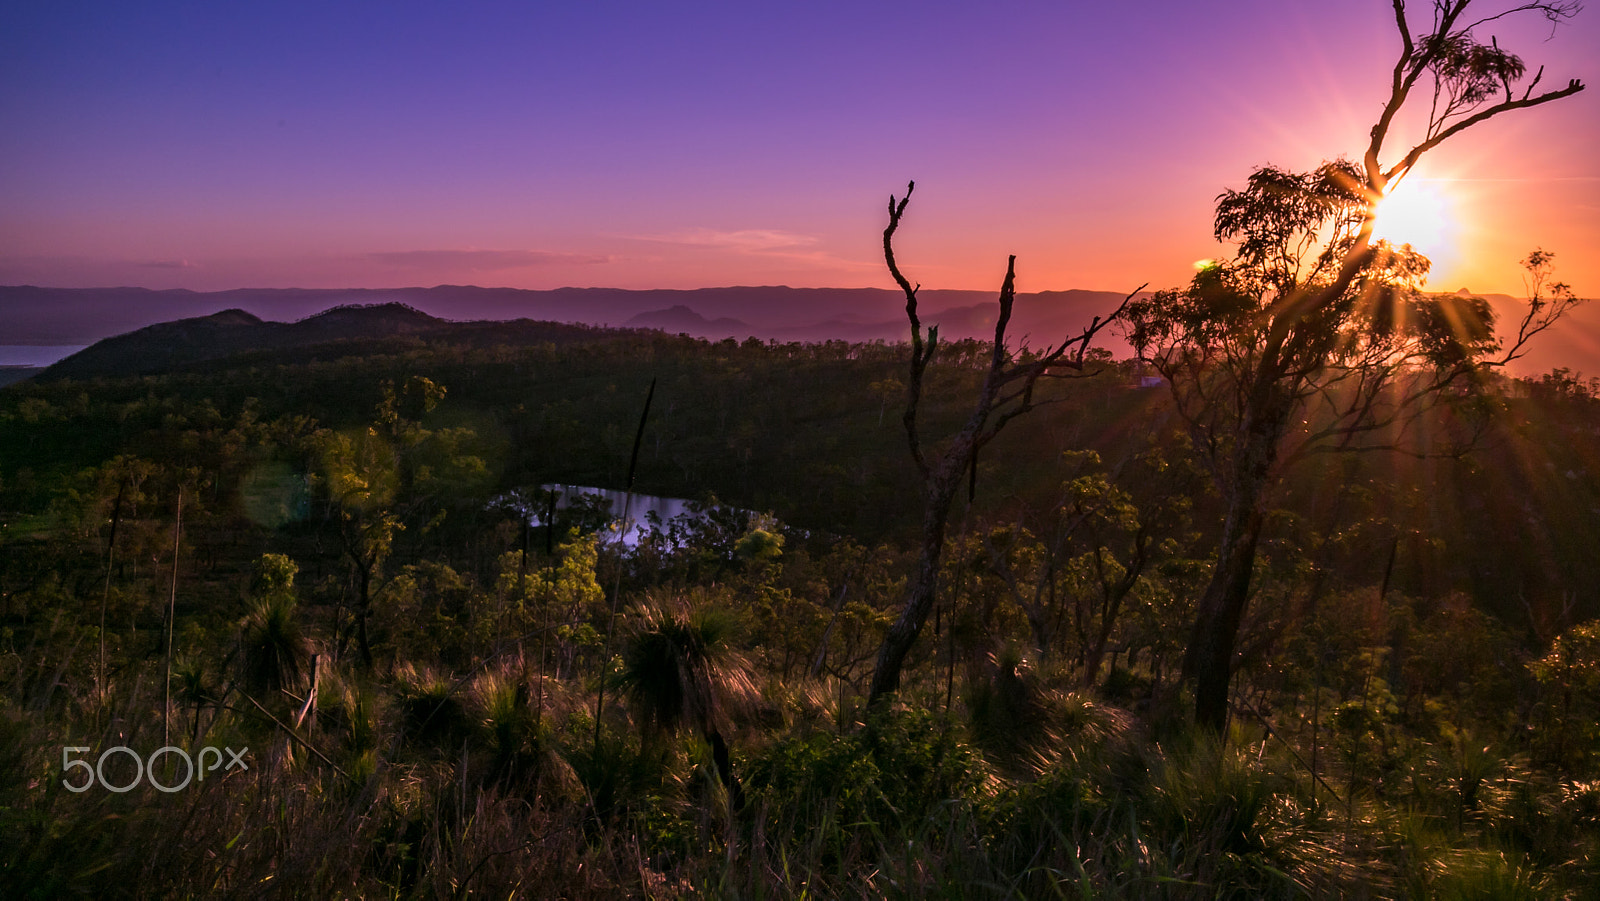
(941, 491)
(1208, 660)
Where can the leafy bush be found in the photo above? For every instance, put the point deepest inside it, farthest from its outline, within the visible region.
(1567, 731)
(893, 774)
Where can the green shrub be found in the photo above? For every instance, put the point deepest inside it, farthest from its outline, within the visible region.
(899, 771)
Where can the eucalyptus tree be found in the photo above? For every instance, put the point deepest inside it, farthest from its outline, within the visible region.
(1316, 334)
(381, 478)
(359, 473)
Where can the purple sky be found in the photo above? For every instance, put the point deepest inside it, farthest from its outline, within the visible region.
(221, 145)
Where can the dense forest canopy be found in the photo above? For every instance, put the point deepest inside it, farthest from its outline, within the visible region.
(339, 485)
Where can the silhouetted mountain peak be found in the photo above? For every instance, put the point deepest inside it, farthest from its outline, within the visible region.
(338, 331)
(233, 316)
(394, 315)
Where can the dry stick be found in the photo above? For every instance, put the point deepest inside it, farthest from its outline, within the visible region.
(292, 734)
(172, 609)
(544, 611)
(311, 696)
(616, 585)
(111, 549)
(1296, 754)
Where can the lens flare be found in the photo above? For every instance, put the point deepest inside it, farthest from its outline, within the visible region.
(1419, 214)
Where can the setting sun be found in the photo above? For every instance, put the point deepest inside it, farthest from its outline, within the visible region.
(1419, 214)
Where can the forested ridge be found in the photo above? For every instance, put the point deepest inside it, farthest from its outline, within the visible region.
(1412, 710)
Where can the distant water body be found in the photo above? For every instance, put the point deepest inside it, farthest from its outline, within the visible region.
(639, 507)
(36, 354)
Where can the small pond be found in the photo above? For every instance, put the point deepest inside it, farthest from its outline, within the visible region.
(641, 512)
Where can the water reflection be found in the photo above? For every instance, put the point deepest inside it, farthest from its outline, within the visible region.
(593, 509)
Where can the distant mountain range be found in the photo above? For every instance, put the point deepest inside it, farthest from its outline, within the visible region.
(340, 331)
(150, 331)
(60, 316)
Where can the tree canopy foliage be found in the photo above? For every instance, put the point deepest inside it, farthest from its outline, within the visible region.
(1316, 334)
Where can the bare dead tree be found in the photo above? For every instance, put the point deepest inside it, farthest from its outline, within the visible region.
(1008, 391)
